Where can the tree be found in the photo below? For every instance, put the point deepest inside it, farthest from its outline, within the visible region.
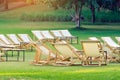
(77, 5)
(92, 4)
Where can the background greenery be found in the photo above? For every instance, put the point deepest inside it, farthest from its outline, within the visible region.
(36, 13)
(17, 21)
(26, 71)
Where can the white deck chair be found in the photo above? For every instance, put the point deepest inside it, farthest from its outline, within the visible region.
(47, 35)
(110, 43)
(68, 35)
(104, 47)
(57, 34)
(69, 55)
(5, 39)
(25, 38)
(118, 39)
(14, 39)
(93, 38)
(114, 48)
(5, 48)
(26, 41)
(3, 45)
(38, 35)
(92, 52)
(44, 50)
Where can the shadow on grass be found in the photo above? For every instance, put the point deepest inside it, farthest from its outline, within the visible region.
(94, 29)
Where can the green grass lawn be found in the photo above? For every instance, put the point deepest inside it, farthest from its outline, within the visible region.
(10, 23)
(26, 71)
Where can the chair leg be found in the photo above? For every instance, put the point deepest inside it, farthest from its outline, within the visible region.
(2, 59)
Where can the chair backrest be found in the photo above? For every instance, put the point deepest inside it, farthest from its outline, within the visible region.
(118, 39)
(110, 42)
(37, 34)
(91, 48)
(2, 44)
(65, 33)
(46, 51)
(47, 34)
(56, 33)
(5, 39)
(25, 38)
(14, 38)
(64, 50)
(93, 38)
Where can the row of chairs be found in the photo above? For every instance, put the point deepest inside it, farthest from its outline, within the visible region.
(10, 44)
(110, 46)
(109, 42)
(55, 34)
(65, 53)
(15, 41)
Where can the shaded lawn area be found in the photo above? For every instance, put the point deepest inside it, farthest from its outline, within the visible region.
(26, 71)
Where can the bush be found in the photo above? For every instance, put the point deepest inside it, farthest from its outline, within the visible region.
(64, 15)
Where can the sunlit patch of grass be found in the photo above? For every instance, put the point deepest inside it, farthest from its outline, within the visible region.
(26, 71)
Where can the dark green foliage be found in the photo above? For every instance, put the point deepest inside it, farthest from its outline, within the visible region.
(58, 15)
(113, 5)
(63, 15)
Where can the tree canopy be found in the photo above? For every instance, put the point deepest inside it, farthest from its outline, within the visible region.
(77, 5)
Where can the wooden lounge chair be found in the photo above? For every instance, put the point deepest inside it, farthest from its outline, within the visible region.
(5, 39)
(92, 52)
(69, 55)
(6, 42)
(14, 39)
(118, 39)
(4, 48)
(11, 46)
(38, 35)
(47, 35)
(106, 49)
(69, 36)
(43, 50)
(58, 35)
(113, 46)
(96, 39)
(25, 38)
(1, 54)
(93, 38)
(3, 45)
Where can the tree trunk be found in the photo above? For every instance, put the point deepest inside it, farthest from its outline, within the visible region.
(78, 15)
(93, 13)
(6, 4)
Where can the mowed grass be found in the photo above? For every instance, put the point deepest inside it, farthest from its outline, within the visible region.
(17, 27)
(10, 23)
(26, 71)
